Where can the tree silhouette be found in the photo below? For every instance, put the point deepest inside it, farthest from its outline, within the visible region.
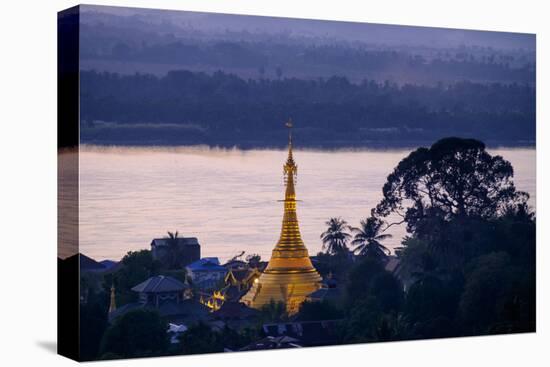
(279, 72)
(454, 178)
(335, 238)
(253, 260)
(367, 239)
(200, 338)
(138, 333)
(173, 255)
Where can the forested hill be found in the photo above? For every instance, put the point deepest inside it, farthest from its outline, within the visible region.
(184, 108)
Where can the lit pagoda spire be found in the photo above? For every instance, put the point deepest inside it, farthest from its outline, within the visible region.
(290, 230)
(290, 276)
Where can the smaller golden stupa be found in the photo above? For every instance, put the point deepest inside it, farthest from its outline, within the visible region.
(112, 304)
(289, 276)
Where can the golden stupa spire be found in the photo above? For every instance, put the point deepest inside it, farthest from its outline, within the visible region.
(289, 276)
(290, 230)
(289, 125)
(290, 168)
(112, 305)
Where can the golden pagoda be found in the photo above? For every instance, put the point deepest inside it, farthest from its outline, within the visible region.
(289, 276)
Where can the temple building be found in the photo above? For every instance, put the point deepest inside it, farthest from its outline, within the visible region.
(165, 295)
(289, 276)
(242, 279)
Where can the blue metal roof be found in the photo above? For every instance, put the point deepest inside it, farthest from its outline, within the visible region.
(206, 264)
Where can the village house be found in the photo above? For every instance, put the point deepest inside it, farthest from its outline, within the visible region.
(206, 274)
(166, 295)
(188, 249)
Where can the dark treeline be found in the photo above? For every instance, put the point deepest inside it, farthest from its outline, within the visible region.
(184, 107)
(466, 267)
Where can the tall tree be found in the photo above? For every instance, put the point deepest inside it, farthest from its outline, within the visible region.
(367, 239)
(279, 71)
(200, 338)
(138, 333)
(174, 251)
(136, 266)
(336, 237)
(253, 260)
(454, 178)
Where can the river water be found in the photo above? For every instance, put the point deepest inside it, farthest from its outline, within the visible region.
(229, 198)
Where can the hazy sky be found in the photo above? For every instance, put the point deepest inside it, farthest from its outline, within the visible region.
(350, 31)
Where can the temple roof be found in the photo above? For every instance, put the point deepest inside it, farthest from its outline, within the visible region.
(240, 274)
(159, 284)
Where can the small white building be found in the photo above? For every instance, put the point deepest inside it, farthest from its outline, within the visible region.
(174, 331)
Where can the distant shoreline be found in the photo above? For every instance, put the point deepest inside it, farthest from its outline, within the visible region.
(334, 147)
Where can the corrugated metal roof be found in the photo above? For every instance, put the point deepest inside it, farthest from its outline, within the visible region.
(206, 264)
(159, 284)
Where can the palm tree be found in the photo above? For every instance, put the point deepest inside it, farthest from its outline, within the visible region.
(367, 239)
(335, 238)
(173, 253)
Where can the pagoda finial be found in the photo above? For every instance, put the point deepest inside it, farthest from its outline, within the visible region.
(289, 125)
(290, 168)
(112, 305)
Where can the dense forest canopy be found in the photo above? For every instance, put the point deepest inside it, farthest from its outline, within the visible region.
(185, 107)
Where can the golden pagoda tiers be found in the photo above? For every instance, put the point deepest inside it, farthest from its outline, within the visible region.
(289, 276)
